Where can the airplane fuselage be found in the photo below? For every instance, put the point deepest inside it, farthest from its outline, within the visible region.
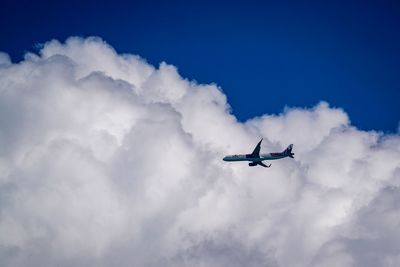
(248, 157)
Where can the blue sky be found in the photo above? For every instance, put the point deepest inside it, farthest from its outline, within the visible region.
(263, 55)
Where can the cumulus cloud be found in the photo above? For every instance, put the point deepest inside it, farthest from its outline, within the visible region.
(106, 160)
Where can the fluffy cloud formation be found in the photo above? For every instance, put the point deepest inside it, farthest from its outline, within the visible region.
(106, 160)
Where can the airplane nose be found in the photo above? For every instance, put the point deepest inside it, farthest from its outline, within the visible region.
(224, 158)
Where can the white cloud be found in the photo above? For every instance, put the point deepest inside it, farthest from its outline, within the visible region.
(4, 59)
(106, 160)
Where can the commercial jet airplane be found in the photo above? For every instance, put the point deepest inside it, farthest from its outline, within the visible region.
(256, 158)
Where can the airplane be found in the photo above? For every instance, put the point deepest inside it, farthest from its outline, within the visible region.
(256, 158)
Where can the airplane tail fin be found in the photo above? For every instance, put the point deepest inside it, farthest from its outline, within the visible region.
(288, 151)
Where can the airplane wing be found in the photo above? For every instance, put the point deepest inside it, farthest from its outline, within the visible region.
(262, 164)
(256, 151)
